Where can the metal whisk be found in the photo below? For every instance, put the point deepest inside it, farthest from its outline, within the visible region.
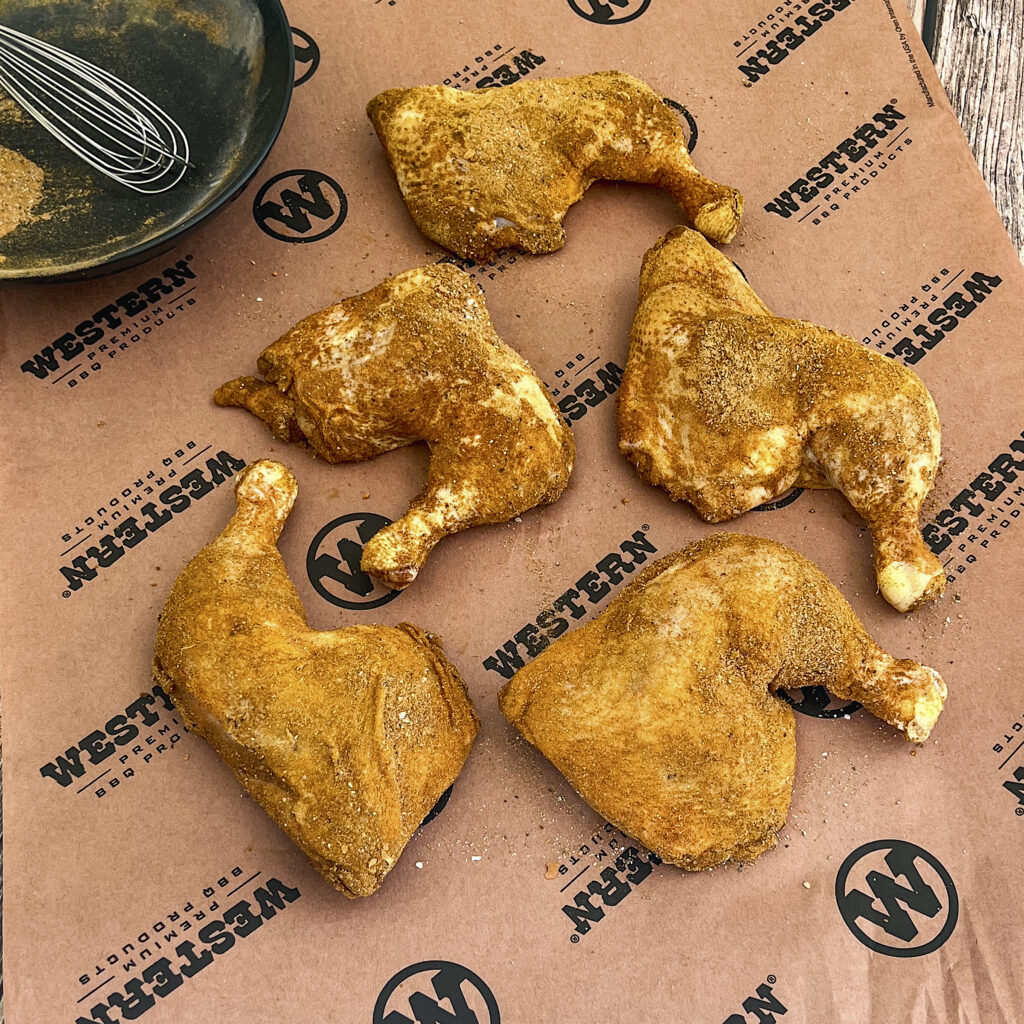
(97, 116)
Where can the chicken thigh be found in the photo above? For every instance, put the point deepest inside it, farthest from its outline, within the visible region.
(661, 712)
(347, 738)
(726, 406)
(416, 358)
(486, 170)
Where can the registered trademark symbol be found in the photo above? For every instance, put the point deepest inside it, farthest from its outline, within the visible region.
(67, 593)
(574, 938)
(1019, 811)
(772, 979)
(645, 527)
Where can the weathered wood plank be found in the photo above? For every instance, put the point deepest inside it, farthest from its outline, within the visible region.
(916, 8)
(977, 50)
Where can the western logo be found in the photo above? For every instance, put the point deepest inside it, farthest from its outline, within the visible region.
(436, 992)
(332, 562)
(162, 929)
(109, 547)
(691, 124)
(307, 55)
(300, 206)
(609, 12)
(613, 884)
(163, 975)
(498, 65)
(1015, 787)
(593, 587)
(946, 316)
(848, 155)
(897, 898)
(496, 265)
(817, 702)
(111, 329)
(590, 392)
(95, 747)
(762, 1006)
(983, 511)
(505, 74)
(776, 49)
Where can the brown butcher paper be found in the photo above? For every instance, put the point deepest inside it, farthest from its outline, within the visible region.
(140, 884)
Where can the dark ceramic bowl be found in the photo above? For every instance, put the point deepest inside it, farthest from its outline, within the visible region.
(222, 68)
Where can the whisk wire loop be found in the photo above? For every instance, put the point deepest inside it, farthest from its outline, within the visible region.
(105, 121)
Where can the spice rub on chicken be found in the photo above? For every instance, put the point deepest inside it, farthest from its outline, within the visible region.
(416, 358)
(485, 170)
(662, 712)
(347, 738)
(726, 406)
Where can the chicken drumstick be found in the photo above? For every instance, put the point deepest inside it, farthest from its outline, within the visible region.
(482, 171)
(416, 358)
(726, 406)
(347, 738)
(661, 712)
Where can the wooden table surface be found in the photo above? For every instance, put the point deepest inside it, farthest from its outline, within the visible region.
(978, 50)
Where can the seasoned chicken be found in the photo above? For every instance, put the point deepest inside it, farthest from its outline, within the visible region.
(416, 358)
(346, 738)
(661, 712)
(485, 170)
(727, 406)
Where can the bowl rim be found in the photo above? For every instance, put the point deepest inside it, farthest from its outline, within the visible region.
(270, 9)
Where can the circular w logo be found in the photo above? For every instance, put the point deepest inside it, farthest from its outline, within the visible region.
(436, 992)
(897, 898)
(300, 206)
(609, 12)
(332, 562)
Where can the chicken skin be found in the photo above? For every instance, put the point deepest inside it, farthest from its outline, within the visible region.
(416, 358)
(483, 171)
(726, 406)
(346, 738)
(661, 712)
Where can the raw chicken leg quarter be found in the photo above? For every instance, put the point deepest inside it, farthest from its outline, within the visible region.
(661, 712)
(484, 170)
(416, 358)
(346, 738)
(726, 406)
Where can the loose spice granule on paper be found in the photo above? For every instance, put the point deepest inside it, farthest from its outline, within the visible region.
(21, 187)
